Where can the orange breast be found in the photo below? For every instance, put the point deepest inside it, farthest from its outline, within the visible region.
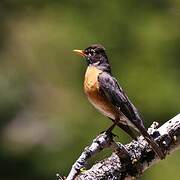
(95, 96)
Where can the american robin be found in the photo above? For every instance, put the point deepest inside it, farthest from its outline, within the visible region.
(107, 96)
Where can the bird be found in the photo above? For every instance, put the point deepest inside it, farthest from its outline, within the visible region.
(107, 96)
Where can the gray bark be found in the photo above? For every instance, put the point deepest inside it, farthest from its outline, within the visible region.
(130, 160)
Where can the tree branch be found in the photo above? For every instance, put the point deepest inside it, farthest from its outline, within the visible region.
(130, 160)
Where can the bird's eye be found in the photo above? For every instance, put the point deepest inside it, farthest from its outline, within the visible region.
(91, 52)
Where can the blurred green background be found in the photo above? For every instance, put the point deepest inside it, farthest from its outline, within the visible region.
(45, 118)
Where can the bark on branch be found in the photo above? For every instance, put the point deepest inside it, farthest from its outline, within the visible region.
(130, 160)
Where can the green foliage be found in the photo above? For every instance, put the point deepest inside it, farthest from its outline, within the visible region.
(46, 119)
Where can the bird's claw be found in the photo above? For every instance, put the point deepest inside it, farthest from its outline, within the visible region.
(109, 133)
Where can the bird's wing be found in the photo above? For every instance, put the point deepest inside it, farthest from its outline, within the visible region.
(117, 97)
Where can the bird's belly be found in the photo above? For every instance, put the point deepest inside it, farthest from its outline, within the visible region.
(96, 96)
(105, 110)
(101, 103)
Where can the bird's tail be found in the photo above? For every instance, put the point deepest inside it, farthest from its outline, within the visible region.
(152, 143)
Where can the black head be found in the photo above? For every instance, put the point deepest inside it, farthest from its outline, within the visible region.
(96, 56)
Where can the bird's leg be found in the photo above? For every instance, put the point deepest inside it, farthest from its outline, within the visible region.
(109, 130)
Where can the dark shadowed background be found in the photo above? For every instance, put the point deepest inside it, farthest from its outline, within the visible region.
(45, 118)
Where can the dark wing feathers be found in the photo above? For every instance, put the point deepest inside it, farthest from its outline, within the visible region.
(116, 96)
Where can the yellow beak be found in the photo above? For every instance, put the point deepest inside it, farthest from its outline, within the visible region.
(80, 52)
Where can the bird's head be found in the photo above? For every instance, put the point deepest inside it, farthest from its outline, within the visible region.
(95, 56)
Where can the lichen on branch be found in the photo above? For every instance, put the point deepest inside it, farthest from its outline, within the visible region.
(130, 160)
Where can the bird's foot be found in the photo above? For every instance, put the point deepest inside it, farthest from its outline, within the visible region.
(110, 133)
